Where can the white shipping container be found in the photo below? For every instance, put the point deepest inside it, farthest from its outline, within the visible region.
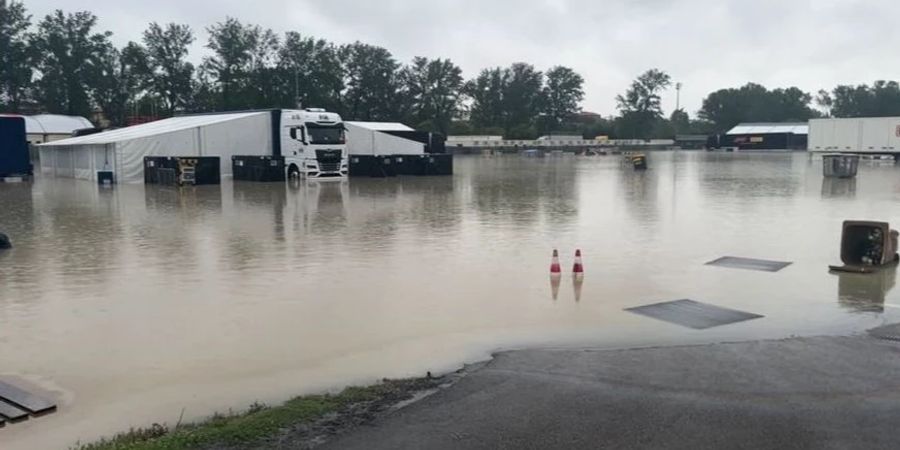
(856, 135)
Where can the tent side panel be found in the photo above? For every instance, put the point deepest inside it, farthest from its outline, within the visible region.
(386, 144)
(129, 154)
(250, 135)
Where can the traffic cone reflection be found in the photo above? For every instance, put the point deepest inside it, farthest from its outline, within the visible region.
(554, 286)
(577, 283)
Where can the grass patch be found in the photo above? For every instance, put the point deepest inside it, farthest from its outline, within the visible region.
(258, 422)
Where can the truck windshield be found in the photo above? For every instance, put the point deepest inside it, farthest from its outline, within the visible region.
(325, 135)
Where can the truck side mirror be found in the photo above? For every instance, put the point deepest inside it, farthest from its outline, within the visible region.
(293, 133)
(303, 135)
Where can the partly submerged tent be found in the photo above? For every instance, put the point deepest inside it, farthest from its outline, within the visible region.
(51, 127)
(122, 151)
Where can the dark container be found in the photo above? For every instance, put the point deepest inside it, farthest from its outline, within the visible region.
(181, 170)
(639, 162)
(258, 168)
(865, 243)
(408, 164)
(440, 164)
(372, 166)
(86, 131)
(105, 177)
(14, 157)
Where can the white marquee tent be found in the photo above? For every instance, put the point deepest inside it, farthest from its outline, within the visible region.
(374, 138)
(122, 151)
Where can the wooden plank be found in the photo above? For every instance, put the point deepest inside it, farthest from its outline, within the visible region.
(12, 413)
(25, 400)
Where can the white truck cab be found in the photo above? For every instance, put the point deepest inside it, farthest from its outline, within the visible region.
(313, 144)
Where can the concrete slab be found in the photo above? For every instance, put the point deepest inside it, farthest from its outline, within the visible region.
(816, 393)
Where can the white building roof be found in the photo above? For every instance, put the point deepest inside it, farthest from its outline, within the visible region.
(381, 126)
(770, 128)
(152, 128)
(53, 123)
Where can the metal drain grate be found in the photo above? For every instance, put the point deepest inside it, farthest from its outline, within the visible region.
(692, 314)
(734, 262)
(887, 332)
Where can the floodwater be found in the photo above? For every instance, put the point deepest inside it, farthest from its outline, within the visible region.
(139, 304)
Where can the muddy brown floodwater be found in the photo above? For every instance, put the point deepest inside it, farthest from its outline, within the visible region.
(131, 305)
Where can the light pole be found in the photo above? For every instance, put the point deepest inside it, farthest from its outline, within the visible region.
(677, 96)
(297, 86)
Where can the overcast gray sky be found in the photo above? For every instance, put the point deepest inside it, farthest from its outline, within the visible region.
(705, 44)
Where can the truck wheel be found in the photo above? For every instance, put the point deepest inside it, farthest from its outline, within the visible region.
(293, 172)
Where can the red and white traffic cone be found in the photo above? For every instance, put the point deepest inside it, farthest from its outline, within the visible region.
(555, 269)
(578, 268)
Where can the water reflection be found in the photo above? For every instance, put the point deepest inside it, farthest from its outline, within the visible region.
(577, 285)
(838, 187)
(865, 292)
(751, 175)
(641, 193)
(523, 190)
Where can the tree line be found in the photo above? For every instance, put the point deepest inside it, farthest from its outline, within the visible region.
(63, 64)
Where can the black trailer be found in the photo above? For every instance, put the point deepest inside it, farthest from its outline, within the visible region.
(14, 158)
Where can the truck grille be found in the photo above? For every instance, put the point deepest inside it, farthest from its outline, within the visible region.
(329, 167)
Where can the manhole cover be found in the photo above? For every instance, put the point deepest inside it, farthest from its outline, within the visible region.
(734, 262)
(888, 332)
(692, 314)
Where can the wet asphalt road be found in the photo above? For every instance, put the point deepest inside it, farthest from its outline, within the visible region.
(826, 392)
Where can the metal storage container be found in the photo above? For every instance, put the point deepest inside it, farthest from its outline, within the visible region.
(839, 165)
(372, 166)
(181, 170)
(105, 177)
(258, 168)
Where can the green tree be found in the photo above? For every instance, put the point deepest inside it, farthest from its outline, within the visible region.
(433, 89)
(881, 99)
(640, 107)
(15, 67)
(486, 92)
(370, 83)
(680, 122)
(310, 73)
(67, 56)
(563, 93)
(120, 79)
(243, 63)
(522, 100)
(170, 73)
(726, 108)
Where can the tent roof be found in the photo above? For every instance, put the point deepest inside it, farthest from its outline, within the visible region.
(381, 126)
(53, 123)
(153, 128)
(770, 128)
